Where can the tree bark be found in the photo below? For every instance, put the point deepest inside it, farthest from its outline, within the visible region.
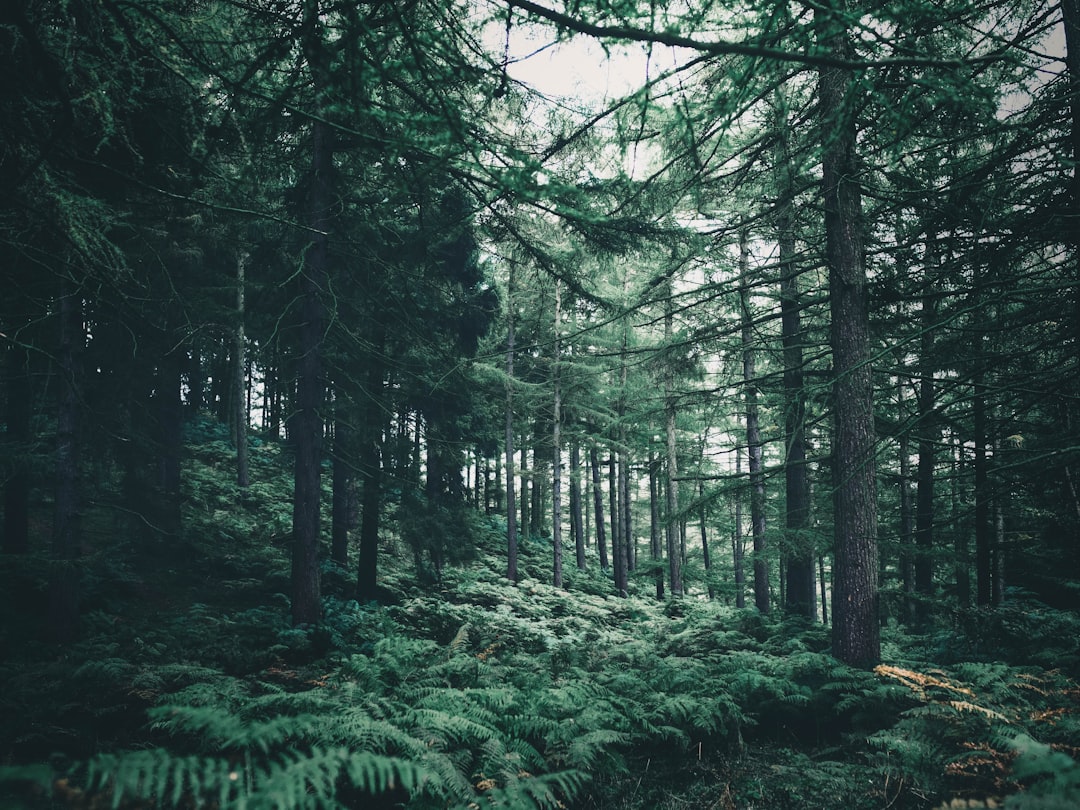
(305, 423)
(511, 503)
(799, 597)
(576, 511)
(856, 632)
(556, 463)
(598, 506)
(754, 445)
(738, 548)
(928, 437)
(706, 558)
(983, 529)
(342, 481)
(671, 484)
(656, 543)
(240, 408)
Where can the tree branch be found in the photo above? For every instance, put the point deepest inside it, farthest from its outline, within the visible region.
(724, 48)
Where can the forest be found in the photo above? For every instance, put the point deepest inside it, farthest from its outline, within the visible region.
(596, 404)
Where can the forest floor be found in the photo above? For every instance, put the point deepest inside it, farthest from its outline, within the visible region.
(188, 688)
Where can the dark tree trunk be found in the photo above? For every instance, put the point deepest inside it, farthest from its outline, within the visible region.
(856, 631)
(598, 506)
(656, 541)
(536, 510)
(17, 441)
(799, 599)
(306, 423)
(525, 498)
(928, 438)
(907, 534)
(342, 482)
(576, 511)
(371, 470)
(738, 549)
(240, 404)
(618, 541)
(66, 531)
(626, 528)
(706, 558)
(754, 445)
(511, 504)
(374, 425)
(556, 458)
(983, 529)
(671, 484)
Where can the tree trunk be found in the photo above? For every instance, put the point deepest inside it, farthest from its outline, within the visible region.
(342, 481)
(618, 541)
(983, 529)
(576, 512)
(671, 484)
(598, 506)
(511, 503)
(907, 530)
(738, 554)
(525, 499)
(556, 463)
(305, 423)
(856, 632)
(66, 530)
(799, 549)
(928, 437)
(754, 445)
(706, 558)
(626, 527)
(240, 428)
(656, 543)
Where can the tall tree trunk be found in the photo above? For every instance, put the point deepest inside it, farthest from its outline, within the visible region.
(656, 543)
(738, 554)
(598, 506)
(342, 481)
(240, 428)
(706, 558)
(525, 498)
(576, 512)
(618, 540)
(556, 463)
(370, 463)
(997, 561)
(856, 632)
(511, 503)
(754, 446)
(907, 529)
(305, 423)
(983, 529)
(671, 484)
(371, 432)
(536, 510)
(928, 437)
(799, 549)
(66, 530)
(626, 527)
(17, 443)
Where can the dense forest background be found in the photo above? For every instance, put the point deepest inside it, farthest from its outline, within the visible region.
(395, 415)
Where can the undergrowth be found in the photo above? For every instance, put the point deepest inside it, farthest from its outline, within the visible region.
(476, 693)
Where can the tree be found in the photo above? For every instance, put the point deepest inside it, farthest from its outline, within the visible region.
(855, 635)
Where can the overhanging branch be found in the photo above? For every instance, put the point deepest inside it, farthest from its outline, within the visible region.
(627, 33)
